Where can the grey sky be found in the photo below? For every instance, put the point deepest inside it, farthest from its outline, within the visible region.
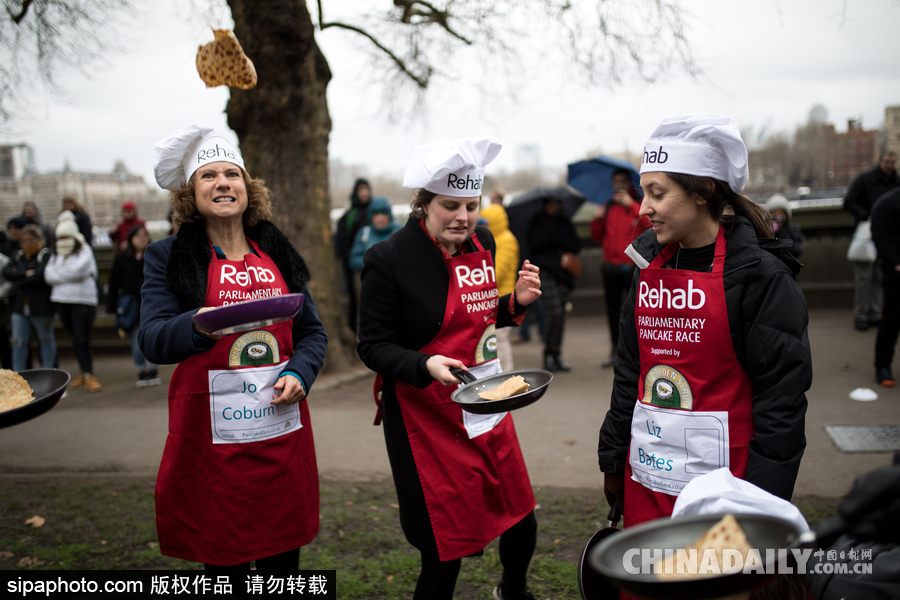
(766, 63)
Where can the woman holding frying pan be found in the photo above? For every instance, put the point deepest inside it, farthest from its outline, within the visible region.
(429, 303)
(238, 480)
(713, 361)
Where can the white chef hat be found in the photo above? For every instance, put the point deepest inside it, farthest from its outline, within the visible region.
(178, 155)
(451, 167)
(719, 492)
(701, 144)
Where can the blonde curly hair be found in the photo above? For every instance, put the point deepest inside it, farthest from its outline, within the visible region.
(259, 206)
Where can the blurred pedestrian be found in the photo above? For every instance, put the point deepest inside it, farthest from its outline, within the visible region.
(551, 236)
(10, 245)
(380, 227)
(72, 273)
(861, 196)
(124, 300)
(32, 215)
(82, 219)
(30, 304)
(353, 219)
(779, 210)
(497, 195)
(119, 233)
(506, 265)
(6, 288)
(886, 235)
(614, 226)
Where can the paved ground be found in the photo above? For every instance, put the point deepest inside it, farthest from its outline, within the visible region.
(122, 429)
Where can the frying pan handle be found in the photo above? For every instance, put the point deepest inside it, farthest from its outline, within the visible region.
(463, 375)
(615, 514)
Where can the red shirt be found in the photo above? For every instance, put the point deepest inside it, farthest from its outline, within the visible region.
(617, 229)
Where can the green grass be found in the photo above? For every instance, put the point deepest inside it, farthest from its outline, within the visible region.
(109, 523)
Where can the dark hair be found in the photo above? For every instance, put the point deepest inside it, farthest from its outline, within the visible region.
(33, 231)
(420, 199)
(259, 206)
(720, 196)
(131, 233)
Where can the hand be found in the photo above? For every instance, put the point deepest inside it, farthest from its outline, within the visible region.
(206, 334)
(439, 368)
(622, 197)
(30, 272)
(528, 286)
(600, 212)
(614, 489)
(288, 390)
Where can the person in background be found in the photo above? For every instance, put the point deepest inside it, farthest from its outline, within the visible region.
(119, 233)
(506, 263)
(550, 235)
(354, 218)
(72, 273)
(230, 491)
(10, 245)
(381, 226)
(779, 209)
(30, 303)
(32, 215)
(125, 283)
(714, 357)
(6, 288)
(82, 219)
(614, 226)
(886, 236)
(861, 196)
(497, 196)
(461, 481)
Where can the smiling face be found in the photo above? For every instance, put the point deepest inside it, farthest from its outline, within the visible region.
(220, 191)
(451, 220)
(676, 216)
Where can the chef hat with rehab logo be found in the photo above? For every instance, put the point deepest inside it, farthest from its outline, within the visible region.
(451, 167)
(177, 156)
(700, 144)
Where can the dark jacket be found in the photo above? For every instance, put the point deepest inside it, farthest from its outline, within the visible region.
(85, 227)
(886, 229)
(548, 238)
(768, 320)
(30, 289)
(175, 270)
(866, 189)
(126, 278)
(354, 218)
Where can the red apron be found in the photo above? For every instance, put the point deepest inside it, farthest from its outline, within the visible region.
(470, 466)
(694, 411)
(238, 478)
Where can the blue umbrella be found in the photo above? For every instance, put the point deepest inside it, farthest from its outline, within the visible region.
(593, 177)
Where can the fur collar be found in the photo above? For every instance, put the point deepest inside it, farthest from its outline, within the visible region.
(190, 257)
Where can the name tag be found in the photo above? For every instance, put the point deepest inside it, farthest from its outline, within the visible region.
(478, 424)
(241, 409)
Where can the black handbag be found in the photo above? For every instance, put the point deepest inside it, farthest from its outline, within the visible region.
(128, 312)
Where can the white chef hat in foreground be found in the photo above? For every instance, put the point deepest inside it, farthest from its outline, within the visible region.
(451, 167)
(178, 155)
(701, 144)
(719, 492)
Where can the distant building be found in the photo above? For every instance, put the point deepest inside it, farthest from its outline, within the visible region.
(892, 128)
(101, 194)
(853, 152)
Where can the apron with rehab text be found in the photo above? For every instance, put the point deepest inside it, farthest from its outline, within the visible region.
(470, 466)
(693, 414)
(238, 478)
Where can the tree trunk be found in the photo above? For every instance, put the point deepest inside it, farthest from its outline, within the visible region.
(283, 127)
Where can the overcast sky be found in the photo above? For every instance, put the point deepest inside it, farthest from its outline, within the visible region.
(766, 64)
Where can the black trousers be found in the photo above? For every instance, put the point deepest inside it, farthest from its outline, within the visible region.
(277, 563)
(437, 579)
(616, 283)
(78, 319)
(889, 329)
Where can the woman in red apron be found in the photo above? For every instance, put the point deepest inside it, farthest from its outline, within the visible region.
(429, 302)
(714, 360)
(238, 480)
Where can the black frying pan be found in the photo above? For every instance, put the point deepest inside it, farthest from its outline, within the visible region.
(591, 584)
(762, 531)
(48, 384)
(467, 395)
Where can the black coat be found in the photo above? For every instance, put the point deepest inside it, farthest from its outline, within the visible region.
(768, 320)
(175, 271)
(886, 229)
(866, 189)
(30, 288)
(548, 238)
(126, 278)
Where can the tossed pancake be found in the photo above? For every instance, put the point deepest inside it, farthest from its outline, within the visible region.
(223, 62)
(14, 390)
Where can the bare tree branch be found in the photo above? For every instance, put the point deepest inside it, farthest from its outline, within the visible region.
(17, 18)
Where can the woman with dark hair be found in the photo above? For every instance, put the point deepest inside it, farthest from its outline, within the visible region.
(238, 481)
(713, 360)
(430, 303)
(124, 300)
(72, 272)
